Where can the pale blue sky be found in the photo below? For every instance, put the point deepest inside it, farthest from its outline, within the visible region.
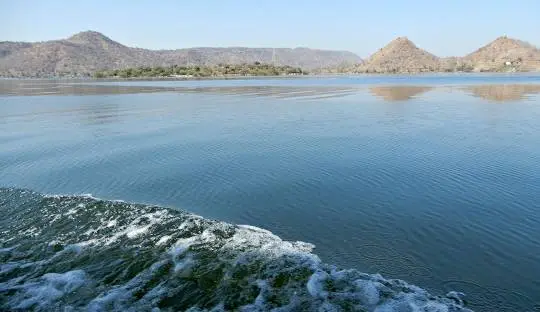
(445, 28)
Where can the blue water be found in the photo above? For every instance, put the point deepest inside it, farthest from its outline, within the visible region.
(430, 179)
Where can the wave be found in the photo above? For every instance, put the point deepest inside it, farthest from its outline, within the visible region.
(79, 253)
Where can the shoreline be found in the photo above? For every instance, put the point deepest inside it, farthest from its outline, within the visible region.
(262, 77)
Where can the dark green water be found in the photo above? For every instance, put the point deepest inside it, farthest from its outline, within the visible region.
(434, 180)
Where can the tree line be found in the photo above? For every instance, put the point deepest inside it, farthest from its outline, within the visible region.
(255, 69)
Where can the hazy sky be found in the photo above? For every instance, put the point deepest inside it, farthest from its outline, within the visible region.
(452, 27)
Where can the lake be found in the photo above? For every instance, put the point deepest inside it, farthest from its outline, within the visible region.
(433, 180)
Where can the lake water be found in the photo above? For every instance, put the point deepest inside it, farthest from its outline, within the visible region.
(434, 180)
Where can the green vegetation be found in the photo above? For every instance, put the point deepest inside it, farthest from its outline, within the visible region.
(222, 70)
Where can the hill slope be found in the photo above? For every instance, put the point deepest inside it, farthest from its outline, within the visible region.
(504, 54)
(400, 56)
(89, 51)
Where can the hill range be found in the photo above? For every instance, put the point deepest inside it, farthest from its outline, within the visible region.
(403, 56)
(87, 52)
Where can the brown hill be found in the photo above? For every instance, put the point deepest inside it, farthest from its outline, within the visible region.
(505, 54)
(400, 56)
(89, 51)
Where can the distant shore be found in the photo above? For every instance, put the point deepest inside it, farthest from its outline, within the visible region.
(91, 53)
(254, 77)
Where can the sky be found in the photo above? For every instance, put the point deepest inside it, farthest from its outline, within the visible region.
(445, 28)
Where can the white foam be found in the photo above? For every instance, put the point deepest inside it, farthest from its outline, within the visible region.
(368, 291)
(33, 231)
(263, 286)
(71, 211)
(132, 230)
(60, 196)
(255, 229)
(182, 245)
(107, 301)
(163, 240)
(112, 223)
(250, 237)
(314, 284)
(86, 243)
(51, 287)
(411, 302)
(184, 264)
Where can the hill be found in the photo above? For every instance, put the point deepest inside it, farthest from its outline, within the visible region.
(403, 56)
(87, 52)
(400, 56)
(505, 54)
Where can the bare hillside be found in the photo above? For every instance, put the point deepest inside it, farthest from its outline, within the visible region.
(505, 54)
(400, 56)
(89, 51)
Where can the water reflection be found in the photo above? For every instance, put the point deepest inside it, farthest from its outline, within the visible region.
(503, 93)
(30, 88)
(492, 93)
(398, 93)
(21, 88)
(312, 92)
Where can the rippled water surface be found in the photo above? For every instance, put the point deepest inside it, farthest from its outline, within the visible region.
(434, 180)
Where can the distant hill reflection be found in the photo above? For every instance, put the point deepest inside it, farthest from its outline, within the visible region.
(489, 92)
(503, 93)
(398, 93)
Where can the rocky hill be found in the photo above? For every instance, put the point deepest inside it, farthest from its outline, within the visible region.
(400, 56)
(89, 51)
(403, 56)
(505, 54)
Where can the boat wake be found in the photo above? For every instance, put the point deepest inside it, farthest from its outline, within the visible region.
(78, 253)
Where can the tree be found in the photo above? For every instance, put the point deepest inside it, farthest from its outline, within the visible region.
(255, 69)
